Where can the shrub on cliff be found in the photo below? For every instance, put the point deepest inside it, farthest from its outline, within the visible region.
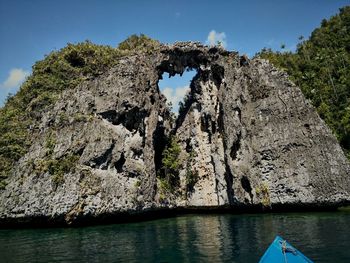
(171, 163)
(138, 43)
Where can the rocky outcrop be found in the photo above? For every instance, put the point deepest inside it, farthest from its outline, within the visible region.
(247, 135)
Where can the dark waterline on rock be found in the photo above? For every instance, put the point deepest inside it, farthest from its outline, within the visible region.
(323, 236)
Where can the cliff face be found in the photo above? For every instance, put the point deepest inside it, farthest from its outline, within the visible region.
(247, 136)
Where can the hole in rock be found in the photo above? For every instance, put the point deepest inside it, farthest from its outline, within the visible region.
(120, 163)
(236, 146)
(176, 88)
(246, 186)
(132, 118)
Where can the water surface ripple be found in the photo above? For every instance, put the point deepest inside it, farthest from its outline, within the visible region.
(324, 237)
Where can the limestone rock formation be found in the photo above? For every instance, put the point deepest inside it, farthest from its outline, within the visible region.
(247, 135)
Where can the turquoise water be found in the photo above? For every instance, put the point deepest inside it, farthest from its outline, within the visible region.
(324, 237)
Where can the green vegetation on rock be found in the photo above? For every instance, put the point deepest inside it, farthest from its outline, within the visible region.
(58, 71)
(321, 68)
(263, 193)
(170, 165)
(139, 43)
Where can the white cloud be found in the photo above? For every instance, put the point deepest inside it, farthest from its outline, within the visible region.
(15, 78)
(216, 37)
(175, 95)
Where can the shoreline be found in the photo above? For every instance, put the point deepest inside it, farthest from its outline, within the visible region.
(160, 213)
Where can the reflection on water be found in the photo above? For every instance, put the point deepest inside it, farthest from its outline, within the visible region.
(324, 237)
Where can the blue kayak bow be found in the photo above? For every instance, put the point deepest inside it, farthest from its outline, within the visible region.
(280, 251)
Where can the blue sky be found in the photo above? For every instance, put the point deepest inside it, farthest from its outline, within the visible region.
(31, 29)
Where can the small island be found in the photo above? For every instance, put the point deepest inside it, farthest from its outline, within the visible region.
(90, 138)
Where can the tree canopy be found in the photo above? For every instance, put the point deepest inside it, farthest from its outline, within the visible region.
(321, 68)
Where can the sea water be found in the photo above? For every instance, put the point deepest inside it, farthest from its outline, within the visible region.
(322, 236)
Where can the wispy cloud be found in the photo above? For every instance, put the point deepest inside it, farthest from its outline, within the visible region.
(177, 14)
(215, 38)
(175, 95)
(270, 42)
(15, 78)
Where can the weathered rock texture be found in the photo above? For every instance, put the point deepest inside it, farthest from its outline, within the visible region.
(248, 137)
